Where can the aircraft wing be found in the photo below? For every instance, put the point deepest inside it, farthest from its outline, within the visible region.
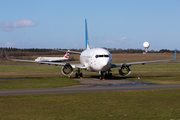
(70, 51)
(32, 60)
(52, 63)
(145, 62)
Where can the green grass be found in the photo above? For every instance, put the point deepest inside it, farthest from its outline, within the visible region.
(37, 82)
(128, 105)
(162, 73)
(49, 76)
(34, 68)
(154, 67)
(155, 77)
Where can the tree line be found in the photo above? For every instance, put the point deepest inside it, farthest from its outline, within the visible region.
(44, 51)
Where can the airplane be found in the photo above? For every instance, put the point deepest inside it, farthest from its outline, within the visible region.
(53, 59)
(95, 60)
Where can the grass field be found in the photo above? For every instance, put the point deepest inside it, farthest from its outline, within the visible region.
(128, 105)
(37, 82)
(49, 76)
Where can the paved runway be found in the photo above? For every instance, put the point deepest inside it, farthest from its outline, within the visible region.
(84, 88)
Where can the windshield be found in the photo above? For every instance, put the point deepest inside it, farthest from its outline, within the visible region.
(101, 56)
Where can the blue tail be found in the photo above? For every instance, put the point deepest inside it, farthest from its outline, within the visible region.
(87, 40)
(174, 55)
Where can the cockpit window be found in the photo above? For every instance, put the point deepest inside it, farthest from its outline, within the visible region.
(106, 55)
(101, 56)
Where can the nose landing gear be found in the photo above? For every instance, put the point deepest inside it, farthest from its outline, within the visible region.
(78, 73)
(101, 77)
(107, 75)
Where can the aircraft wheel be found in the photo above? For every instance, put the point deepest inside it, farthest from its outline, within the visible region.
(101, 77)
(80, 74)
(106, 75)
(110, 75)
(76, 75)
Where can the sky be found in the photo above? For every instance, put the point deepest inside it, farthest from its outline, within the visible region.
(124, 24)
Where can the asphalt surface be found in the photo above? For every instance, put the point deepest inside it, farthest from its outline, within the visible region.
(91, 85)
(83, 89)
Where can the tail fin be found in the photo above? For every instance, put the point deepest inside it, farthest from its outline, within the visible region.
(87, 40)
(67, 55)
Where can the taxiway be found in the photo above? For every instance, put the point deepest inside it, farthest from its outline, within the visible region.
(91, 85)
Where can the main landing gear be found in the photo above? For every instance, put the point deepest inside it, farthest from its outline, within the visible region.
(107, 75)
(78, 73)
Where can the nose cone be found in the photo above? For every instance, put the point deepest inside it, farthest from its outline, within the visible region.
(104, 65)
(104, 62)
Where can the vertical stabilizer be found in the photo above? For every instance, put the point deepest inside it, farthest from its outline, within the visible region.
(87, 40)
(67, 55)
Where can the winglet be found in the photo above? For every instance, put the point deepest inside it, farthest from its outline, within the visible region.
(174, 55)
(6, 54)
(87, 40)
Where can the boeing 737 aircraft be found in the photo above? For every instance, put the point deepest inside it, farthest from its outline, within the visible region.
(96, 60)
(53, 59)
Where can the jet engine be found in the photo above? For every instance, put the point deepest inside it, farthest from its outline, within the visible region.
(67, 69)
(124, 70)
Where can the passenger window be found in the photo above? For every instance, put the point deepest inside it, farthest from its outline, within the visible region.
(97, 56)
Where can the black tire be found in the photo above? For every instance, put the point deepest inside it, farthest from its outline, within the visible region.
(110, 75)
(106, 75)
(80, 74)
(76, 75)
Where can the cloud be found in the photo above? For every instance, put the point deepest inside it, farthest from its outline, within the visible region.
(123, 39)
(9, 26)
(109, 42)
(116, 41)
(10, 44)
(75, 45)
(24, 23)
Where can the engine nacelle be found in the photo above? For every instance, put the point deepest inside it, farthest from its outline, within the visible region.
(124, 70)
(67, 69)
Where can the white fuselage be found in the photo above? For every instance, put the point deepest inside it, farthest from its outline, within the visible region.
(97, 59)
(51, 59)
